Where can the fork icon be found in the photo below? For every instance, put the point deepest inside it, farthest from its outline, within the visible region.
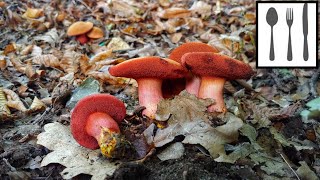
(289, 17)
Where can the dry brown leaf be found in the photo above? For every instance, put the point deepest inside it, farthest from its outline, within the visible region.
(10, 48)
(17, 65)
(30, 72)
(185, 106)
(27, 50)
(33, 13)
(164, 3)
(123, 9)
(37, 105)
(4, 110)
(103, 55)
(14, 100)
(70, 61)
(202, 8)
(85, 66)
(117, 43)
(3, 62)
(48, 60)
(198, 131)
(76, 159)
(174, 13)
(176, 37)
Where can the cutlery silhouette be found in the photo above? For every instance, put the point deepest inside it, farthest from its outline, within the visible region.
(272, 19)
(289, 17)
(305, 31)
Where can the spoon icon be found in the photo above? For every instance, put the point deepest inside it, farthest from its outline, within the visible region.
(272, 19)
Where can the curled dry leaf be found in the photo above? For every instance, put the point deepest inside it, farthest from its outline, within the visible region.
(14, 100)
(30, 72)
(174, 13)
(33, 13)
(185, 106)
(124, 9)
(202, 8)
(27, 50)
(9, 48)
(117, 43)
(3, 62)
(37, 105)
(70, 61)
(4, 110)
(47, 60)
(102, 55)
(17, 65)
(67, 152)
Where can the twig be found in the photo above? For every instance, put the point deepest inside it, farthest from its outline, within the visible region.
(83, 3)
(313, 82)
(289, 165)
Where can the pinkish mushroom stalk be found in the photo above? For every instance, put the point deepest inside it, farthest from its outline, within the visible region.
(149, 90)
(212, 87)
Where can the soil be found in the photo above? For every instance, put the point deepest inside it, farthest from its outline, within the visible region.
(20, 158)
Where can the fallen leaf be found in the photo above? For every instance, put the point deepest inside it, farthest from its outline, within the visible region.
(173, 151)
(117, 43)
(186, 115)
(14, 100)
(305, 172)
(202, 8)
(174, 13)
(48, 60)
(185, 106)
(4, 110)
(89, 86)
(33, 13)
(67, 152)
(271, 165)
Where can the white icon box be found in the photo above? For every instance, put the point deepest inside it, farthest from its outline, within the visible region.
(281, 35)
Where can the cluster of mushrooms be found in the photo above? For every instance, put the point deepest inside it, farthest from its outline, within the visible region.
(95, 118)
(84, 31)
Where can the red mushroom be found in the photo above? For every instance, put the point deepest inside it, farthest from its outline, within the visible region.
(94, 122)
(192, 81)
(149, 73)
(214, 69)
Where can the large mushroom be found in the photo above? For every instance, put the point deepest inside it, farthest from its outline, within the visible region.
(94, 122)
(214, 69)
(149, 73)
(192, 82)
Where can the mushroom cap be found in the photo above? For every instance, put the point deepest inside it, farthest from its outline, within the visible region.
(149, 67)
(88, 105)
(95, 33)
(216, 65)
(79, 27)
(177, 53)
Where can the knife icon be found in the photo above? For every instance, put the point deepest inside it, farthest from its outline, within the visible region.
(305, 31)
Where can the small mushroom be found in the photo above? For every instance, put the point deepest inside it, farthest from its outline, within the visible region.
(79, 29)
(95, 33)
(149, 73)
(192, 81)
(94, 122)
(214, 69)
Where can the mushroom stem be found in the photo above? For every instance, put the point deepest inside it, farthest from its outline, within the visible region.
(193, 84)
(212, 87)
(103, 127)
(149, 95)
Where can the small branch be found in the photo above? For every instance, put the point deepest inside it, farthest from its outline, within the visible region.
(285, 160)
(313, 82)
